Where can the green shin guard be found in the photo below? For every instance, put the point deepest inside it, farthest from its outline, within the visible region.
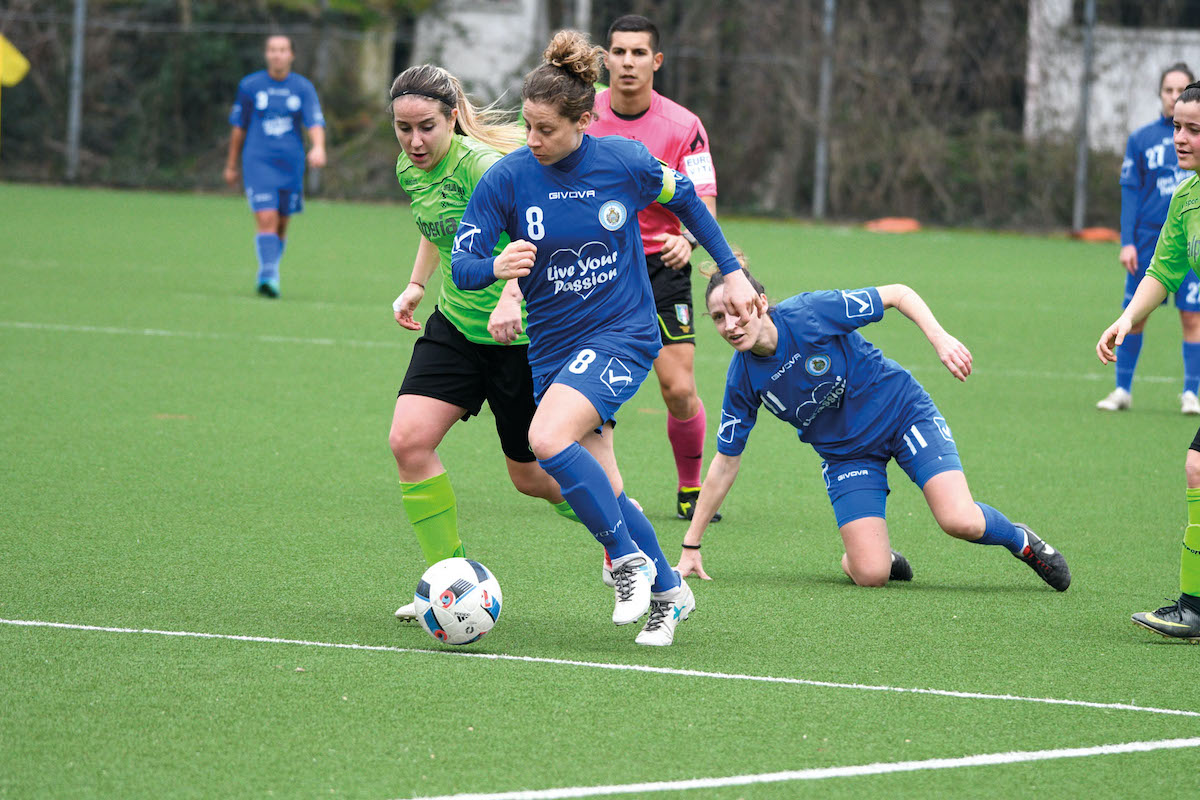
(433, 512)
(564, 509)
(1189, 561)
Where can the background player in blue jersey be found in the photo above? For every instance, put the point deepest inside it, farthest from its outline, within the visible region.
(271, 107)
(569, 202)
(805, 360)
(1149, 175)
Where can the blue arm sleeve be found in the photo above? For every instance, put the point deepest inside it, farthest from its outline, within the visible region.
(1129, 214)
(695, 215)
(739, 410)
(471, 261)
(1132, 178)
(313, 116)
(242, 106)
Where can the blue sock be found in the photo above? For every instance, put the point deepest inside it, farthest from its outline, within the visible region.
(585, 486)
(1127, 358)
(1191, 367)
(998, 530)
(269, 248)
(647, 541)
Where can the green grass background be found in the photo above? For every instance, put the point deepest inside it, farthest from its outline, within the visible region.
(179, 454)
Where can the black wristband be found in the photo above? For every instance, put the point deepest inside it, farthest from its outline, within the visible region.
(687, 235)
(690, 546)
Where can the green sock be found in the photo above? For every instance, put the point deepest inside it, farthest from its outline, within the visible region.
(433, 512)
(564, 509)
(1189, 561)
(1193, 501)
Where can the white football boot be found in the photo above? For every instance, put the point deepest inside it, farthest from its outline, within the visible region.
(407, 613)
(667, 610)
(1116, 400)
(1189, 403)
(632, 576)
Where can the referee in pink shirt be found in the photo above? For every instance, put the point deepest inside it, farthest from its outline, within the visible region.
(631, 108)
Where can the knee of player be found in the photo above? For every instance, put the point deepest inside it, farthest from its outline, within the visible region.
(866, 572)
(681, 398)
(545, 443)
(871, 578)
(1192, 468)
(406, 446)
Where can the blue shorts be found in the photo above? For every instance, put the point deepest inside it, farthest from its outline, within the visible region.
(606, 378)
(1187, 297)
(285, 201)
(858, 486)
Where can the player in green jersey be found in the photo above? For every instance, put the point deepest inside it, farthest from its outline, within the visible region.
(457, 363)
(1177, 252)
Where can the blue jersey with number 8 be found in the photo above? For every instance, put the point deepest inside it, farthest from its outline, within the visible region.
(589, 283)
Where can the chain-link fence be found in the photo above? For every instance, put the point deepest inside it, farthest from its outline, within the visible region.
(929, 111)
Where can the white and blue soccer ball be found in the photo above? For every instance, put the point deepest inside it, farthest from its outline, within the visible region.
(458, 601)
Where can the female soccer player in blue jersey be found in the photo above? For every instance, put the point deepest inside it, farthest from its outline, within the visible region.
(569, 202)
(1149, 175)
(271, 107)
(805, 360)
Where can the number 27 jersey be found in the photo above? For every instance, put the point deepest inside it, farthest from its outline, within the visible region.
(588, 284)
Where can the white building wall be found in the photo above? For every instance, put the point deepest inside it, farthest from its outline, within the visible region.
(1127, 67)
(488, 44)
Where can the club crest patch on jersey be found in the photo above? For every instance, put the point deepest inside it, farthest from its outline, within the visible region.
(293, 102)
(613, 215)
(683, 315)
(943, 428)
(616, 376)
(858, 303)
(817, 365)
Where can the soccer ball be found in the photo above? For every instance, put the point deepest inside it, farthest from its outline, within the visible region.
(458, 601)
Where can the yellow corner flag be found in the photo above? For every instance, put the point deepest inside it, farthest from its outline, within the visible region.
(13, 65)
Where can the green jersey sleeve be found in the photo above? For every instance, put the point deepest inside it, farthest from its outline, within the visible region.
(1179, 241)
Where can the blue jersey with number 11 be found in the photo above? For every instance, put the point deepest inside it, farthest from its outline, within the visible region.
(589, 283)
(839, 391)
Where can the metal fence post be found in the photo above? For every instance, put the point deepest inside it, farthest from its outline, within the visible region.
(824, 100)
(74, 117)
(1081, 152)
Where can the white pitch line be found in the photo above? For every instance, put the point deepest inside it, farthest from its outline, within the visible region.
(821, 773)
(200, 335)
(205, 335)
(687, 673)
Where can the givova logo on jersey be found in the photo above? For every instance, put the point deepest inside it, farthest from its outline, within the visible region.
(581, 271)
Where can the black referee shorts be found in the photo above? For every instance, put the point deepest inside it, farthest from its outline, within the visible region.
(447, 366)
(672, 300)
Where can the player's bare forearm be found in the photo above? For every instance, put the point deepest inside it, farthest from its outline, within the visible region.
(1149, 296)
(906, 300)
(953, 354)
(316, 152)
(426, 262)
(237, 138)
(717, 482)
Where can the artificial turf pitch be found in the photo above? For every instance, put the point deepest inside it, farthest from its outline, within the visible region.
(181, 455)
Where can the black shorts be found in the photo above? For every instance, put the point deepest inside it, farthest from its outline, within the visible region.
(1196, 442)
(447, 366)
(672, 300)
